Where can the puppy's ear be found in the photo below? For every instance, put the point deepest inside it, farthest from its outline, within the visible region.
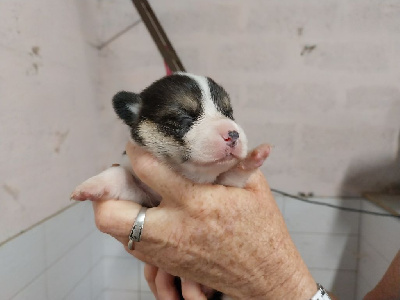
(127, 106)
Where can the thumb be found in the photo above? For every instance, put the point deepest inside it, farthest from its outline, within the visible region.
(158, 176)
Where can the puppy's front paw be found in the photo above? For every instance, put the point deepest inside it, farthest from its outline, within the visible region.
(113, 183)
(255, 158)
(239, 175)
(91, 189)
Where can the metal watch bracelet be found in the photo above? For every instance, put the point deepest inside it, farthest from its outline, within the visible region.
(321, 294)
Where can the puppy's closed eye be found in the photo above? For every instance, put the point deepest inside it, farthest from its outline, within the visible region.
(186, 121)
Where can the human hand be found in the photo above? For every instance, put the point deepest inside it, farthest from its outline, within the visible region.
(163, 286)
(233, 240)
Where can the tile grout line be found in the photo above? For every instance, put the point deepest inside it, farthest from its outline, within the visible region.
(84, 275)
(37, 224)
(360, 221)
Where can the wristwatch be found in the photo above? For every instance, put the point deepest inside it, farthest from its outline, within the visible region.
(321, 294)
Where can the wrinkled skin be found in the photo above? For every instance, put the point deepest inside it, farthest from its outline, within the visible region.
(231, 239)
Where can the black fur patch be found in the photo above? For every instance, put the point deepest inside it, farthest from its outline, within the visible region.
(220, 98)
(173, 103)
(122, 101)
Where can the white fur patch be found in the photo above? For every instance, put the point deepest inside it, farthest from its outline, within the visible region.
(134, 108)
(205, 138)
(208, 103)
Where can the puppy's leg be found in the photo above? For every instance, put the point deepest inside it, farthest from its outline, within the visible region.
(114, 183)
(238, 175)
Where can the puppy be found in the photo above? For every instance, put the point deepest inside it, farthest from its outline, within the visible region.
(187, 122)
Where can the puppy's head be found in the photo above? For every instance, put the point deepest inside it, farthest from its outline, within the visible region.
(186, 121)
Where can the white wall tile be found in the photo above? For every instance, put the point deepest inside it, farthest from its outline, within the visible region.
(67, 229)
(97, 241)
(147, 296)
(372, 265)
(112, 247)
(144, 287)
(382, 233)
(22, 260)
(327, 251)
(120, 295)
(122, 273)
(378, 246)
(280, 201)
(102, 296)
(98, 278)
(82, 291)
(68, 271)
(363, 287)
(304, 217)
(35, 290)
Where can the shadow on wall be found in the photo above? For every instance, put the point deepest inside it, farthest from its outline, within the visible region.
(374, 176)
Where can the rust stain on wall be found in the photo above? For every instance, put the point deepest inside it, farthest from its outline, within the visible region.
(11, 190)
(61, 137)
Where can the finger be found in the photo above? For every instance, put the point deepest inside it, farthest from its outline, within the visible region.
(166, 289)
(192, 290)
(150, 273)
(155, 174)
(115, 217)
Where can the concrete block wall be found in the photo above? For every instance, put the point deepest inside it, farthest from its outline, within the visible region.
(319, 80)
(47, 107)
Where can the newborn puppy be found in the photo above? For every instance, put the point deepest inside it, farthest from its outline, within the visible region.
(187, 122)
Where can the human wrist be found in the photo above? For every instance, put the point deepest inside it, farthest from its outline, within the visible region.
(292, 277)
(296, 284)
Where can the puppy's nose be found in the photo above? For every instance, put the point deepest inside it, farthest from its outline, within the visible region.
(234, 135)
(232, 138)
